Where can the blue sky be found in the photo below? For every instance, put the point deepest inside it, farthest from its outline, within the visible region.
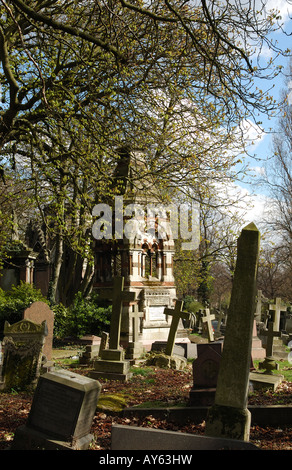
(262, 147)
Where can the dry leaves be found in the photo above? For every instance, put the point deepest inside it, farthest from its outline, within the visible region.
(167, 386)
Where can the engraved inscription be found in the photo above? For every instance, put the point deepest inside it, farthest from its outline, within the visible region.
(56, 409)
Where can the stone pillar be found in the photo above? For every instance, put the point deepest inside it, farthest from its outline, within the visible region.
(229, 416)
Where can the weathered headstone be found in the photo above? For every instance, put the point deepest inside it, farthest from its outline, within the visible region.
(61, 414)
(22, 354)
(205, 374)
(229, 416)
(92, 346)
(112, 364)
(103, 342)
(271, 334)
(277, 308)
(177, 314)
(135, 348)
(208, 320)
(38, 312)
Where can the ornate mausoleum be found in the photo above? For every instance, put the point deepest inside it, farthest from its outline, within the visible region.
(144, 257)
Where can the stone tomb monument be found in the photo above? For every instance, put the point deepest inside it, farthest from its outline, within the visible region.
(170, 360)
(229, 416)
(38, 312)
(22, 354)
(61, 414)
(112, 364)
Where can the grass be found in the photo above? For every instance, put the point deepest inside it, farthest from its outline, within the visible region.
(285, 369)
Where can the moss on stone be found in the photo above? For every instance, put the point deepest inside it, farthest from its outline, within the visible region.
(111, 403)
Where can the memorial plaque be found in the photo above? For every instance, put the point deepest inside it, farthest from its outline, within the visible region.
(156, 313)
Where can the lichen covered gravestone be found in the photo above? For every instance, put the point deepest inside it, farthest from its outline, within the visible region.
(229, 416)
(22, 354)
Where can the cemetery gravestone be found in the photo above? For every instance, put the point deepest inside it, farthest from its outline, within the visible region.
(22, 354)
(38, 312)
(267, 379)
(205, 373)
(229, 416)
(61, 414)
(104, 342)
(112, 364)
(277, 308)
(135, 349)
(271, 334)
(176, 314)
(208, 320)
(168, 359)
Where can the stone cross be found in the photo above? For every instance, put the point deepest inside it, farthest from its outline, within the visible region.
(135, 347)
(118, 296)
(176, 314)
(135, 323)
(270, 333)
(208, 319)
(229, 416)
(278, 308)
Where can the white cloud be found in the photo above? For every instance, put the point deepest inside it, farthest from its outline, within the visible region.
(283, 6)
(258, 170)
(252, 133)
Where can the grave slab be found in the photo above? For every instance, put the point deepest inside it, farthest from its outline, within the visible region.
(261, 381)
(135, 438)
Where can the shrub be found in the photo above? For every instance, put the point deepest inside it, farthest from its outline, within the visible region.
(191, 304)
(84, 316)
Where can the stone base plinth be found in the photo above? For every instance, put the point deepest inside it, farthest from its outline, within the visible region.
(228, 422)
(111, 366)
(202, 397)
(27, 438)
